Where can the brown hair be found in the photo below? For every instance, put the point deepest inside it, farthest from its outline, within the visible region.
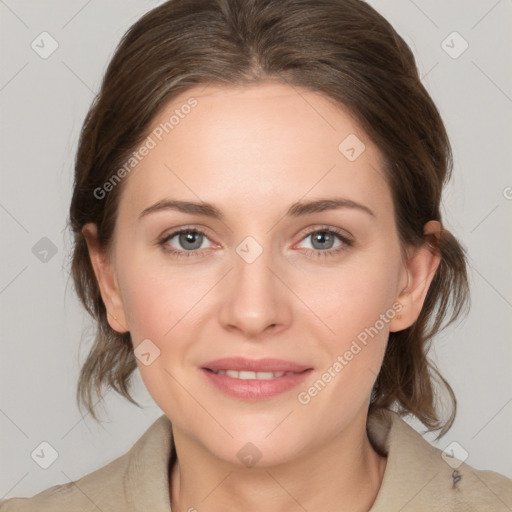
(342, 49)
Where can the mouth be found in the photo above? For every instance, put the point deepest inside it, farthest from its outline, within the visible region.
(247, 375)
(252, 379)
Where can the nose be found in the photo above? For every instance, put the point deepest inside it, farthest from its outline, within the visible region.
(255, 300)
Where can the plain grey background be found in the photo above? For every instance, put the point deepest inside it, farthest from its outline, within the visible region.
(45, 334)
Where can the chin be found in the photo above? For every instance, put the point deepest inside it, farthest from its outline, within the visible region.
(257, 444)
(250, 454)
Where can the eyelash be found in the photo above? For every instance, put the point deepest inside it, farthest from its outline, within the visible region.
(347, 243)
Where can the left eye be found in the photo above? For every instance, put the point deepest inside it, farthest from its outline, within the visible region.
(324, 239)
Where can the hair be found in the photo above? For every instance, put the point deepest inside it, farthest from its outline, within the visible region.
(342, 49)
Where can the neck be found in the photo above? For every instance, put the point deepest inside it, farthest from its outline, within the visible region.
(343, 474)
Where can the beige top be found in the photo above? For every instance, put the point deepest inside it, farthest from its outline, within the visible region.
(416, 478)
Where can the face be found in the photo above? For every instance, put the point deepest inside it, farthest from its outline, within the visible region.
(266, 278)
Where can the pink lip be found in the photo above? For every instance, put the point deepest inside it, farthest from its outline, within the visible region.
(255, 389)
(255, 365)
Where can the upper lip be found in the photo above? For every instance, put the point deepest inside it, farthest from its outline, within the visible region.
(254, 365)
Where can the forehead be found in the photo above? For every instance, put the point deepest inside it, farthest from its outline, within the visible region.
(267, 144)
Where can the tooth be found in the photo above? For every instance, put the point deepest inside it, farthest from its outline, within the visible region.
(264, 375)
(244, 375)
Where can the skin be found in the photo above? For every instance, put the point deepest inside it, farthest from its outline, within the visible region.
(252, 152)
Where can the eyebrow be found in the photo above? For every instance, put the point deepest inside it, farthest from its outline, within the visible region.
(295, 210)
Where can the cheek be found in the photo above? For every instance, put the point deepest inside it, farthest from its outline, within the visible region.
(158, 297)
(357, 305)
(147, 303)
(159, 306)
(354, 297)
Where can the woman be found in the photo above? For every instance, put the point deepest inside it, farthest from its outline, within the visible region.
(257, 226)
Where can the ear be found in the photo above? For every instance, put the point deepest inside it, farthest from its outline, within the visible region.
(420, 270)
(106, 278)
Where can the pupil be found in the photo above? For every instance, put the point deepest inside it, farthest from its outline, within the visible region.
(322, 237)
(188, 238)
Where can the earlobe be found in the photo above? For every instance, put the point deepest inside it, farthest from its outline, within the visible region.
(106, 279)
(421, 267)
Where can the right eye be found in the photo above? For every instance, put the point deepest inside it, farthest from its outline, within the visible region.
(188, 242)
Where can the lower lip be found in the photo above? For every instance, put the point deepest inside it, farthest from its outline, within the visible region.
(255, 389)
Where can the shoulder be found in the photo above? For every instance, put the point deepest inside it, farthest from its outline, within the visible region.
(113, 487)
(83, 494)
(420, 477)
(94, 491)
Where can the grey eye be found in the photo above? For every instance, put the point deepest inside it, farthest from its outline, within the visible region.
(190, 239)
(322, 239)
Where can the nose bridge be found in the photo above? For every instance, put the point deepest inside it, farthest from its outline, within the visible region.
(254, 300)
(254, 280)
